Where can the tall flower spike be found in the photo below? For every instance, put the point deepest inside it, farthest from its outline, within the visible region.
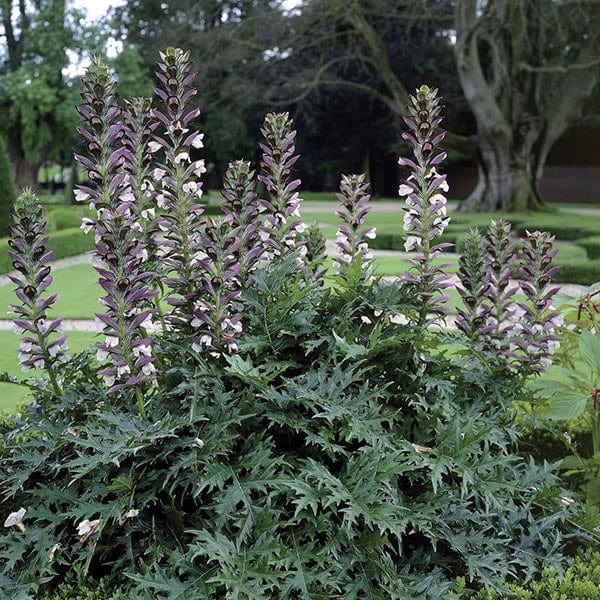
(120, 251)
(242, 212)
(40, 348)
(355, 261)
(424, 189)
(177, 180)
(283, 203)
(504, 315)
(217, 319)
(538, 339)
(137, 139)
(473, 276)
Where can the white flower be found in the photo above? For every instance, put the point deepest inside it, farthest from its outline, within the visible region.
(567, 501)
(158, 174)
(365, 320)
(161, 201)
(87, 528)
(87, 225)
(101, 354)
(154, 146)
(198, 443)
(399, 319)
(405, 190)
(142, 349)
(123, 370)
(148, 369)
(111, 341)
(53, 551)
(198, 141)
(130, 514)
(109, 380)
(15, 519)
(81, 196)
(190, 187)
(199, 168)
(148, 213)
(412, 243)
(371, 233)
(301, 227)
(181, 157)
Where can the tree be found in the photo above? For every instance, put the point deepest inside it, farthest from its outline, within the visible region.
(525, 68)
(36, 100)
(8, 194)
(227, 40)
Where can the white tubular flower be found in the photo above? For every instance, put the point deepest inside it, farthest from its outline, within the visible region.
(15, 519)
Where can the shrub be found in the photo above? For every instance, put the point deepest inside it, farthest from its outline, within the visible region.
(591, 245)
(241, 430)
(8, 194)
(582, 272)
(580, 581)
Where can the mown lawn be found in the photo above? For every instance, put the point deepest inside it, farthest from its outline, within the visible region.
(11, 395)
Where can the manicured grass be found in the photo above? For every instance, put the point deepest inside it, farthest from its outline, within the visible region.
(11, 395)
(78, 293)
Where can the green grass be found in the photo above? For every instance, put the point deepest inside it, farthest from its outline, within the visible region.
(77, 289)
(11, 395)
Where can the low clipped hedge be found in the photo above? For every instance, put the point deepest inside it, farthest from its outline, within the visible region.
(68, 242)
(591, 246)
(578, 271)
(568, 228)
(581, 581)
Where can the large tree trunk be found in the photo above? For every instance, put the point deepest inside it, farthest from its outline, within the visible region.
(508, 171)
(505, 183)
(25, 172)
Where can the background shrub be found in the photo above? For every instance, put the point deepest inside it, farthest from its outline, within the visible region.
(580, 581)
(8, 194)
(591, 245)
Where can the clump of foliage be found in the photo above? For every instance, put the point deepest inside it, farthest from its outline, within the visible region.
(580, 581)
(273, 439)
(8, 195)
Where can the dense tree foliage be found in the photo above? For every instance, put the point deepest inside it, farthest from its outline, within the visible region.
(516, 74)
(36, 100)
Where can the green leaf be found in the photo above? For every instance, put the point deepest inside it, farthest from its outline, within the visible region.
(589, 346)
(593, 491)
(568, 405)
(350, 349)
(571, 462)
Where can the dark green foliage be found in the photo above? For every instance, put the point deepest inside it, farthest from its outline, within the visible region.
(583, 272)
(591, 245)
(64, 243)
(83, 590)
(580, 581)
(338, 456)
(8, 194)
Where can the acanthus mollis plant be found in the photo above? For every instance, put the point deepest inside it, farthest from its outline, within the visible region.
(178, 184)
(472, 273)
(40, 347)
(138, 140)
(522, 334)
(217, 319)
(537, 339)
(355, 259)
(423, 190)
(120, 251)
(242, 211)
(282, 221)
